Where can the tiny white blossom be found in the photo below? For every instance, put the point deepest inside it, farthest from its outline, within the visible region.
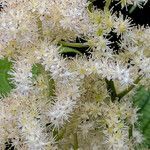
(21, 76)
(61, 112)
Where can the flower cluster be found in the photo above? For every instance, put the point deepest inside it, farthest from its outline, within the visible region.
(72, 102)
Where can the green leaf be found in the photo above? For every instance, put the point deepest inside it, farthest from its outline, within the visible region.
(5, 85)
(38, 69)
(142, 100)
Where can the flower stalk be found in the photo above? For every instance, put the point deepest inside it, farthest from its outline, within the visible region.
(111, 89)
(75, 136)
(75, 45)
(127, 90)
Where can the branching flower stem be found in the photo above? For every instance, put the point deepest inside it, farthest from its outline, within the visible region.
(107, 4)
(64, 49)
(75, 136)
(77, 45)
(49, 81)
(111, 89)
(127, 90)
(40, 28)
(60, 135)
(130, 131)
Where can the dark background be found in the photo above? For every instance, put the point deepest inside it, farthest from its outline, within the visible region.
(140, 16)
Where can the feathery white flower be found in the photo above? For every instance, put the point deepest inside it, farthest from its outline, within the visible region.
(74, 14)
(122, 24)
(137, 136)
(33, 132)
(85, 128)
(61, 112)
(116, 130)
(113, 70)
(138, 3)
(21, 76)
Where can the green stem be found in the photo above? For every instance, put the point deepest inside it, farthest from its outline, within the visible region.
(60, 135)
(132, 9)
(75, 141)
(126, 91)
(111, 89)
(77, 45)
(91, 6)
(50, 82)
(107, 4)
(130, 131)
(40, 28)
(64, 49)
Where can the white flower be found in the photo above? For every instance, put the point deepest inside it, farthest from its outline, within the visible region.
(85, 128)
(61, 112)
(139, 3)
(144, 65)
(100, 43)
(112, 70)
(138, 137)
(122, 24)
(21, 76)
(33, 132)
(74, 15)
(116, 130)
